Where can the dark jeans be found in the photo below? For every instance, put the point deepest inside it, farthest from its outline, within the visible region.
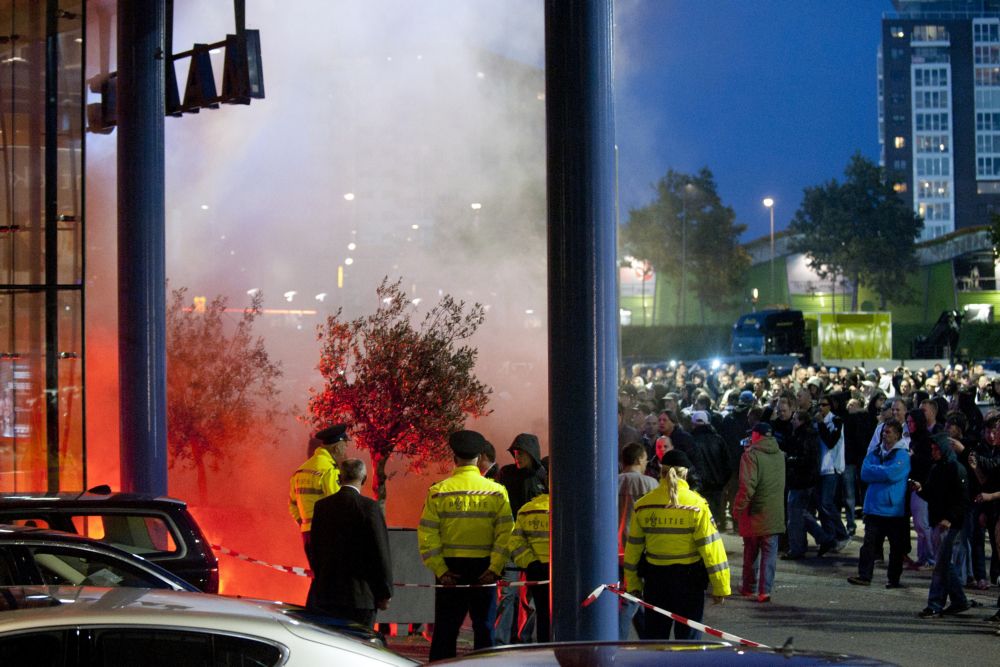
(679, 589)
(540, 595)
(716, 504)
(877, 529)
(452, 604)
(849, 491)
(945, 583)
(829, 512)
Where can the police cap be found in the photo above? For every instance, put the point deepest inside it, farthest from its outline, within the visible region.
(466, 444)
(332, 434)
(676, 458)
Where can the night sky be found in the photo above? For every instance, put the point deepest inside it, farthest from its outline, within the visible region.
(771, 95)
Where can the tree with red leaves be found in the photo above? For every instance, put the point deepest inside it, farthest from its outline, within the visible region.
(221, 384)
(402, 388)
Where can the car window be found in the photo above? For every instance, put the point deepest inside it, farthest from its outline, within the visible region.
(138, 534)
(172, 648)
(36, 522)
(60, 566)
(44, 649)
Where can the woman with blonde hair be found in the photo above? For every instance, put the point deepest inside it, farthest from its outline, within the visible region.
(673, 534)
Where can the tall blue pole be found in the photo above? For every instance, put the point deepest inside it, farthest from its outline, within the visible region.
(583, 315)
(142, 367)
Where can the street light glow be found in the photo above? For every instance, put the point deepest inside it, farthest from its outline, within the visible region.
(349, 196)
(768, 202)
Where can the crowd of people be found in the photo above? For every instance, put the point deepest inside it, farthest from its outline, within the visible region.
(784, 457)
(777, 458)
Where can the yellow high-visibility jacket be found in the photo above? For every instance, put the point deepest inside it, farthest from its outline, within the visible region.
(530, 540)
(678, 534)
(317, 478)
(465, 516)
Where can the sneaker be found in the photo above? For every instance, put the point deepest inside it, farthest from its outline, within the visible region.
(841, 545)
(930, 613)
(763, 597)
(826, 548)
(954, 609)
(995, 618)
(896, 584)
(982, 585)
(858, 581)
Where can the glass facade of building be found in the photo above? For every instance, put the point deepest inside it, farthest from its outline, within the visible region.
(41, 245)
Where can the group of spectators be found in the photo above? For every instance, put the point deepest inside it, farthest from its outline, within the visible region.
(782, 457)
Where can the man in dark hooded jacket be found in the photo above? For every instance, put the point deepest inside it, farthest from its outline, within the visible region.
(524, 479)
(946, 491)
(711, 460)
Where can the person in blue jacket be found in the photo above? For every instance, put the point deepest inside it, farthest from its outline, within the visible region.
(885, 470)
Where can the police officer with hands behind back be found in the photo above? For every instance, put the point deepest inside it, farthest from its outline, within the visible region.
(463, 537)
(673, 527)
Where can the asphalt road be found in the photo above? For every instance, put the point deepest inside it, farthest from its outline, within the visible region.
(813, 604)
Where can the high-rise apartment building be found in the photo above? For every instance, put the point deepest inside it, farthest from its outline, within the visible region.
(939, 109)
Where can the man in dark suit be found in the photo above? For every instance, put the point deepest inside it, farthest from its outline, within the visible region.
(353, 576)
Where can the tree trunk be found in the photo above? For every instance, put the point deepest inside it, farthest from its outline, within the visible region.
(379, 461)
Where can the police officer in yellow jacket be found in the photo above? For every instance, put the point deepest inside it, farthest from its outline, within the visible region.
(673, 527)
(463, 537)
(529, 547)
(317, 478)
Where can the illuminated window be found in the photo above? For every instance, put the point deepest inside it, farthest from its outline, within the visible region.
(899, 187)
(899, 142)
(897, 32)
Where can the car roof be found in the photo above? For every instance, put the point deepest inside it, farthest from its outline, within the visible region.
(88, 500)
(30, 535)
(92, 605)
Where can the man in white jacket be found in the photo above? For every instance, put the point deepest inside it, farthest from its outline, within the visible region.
(831, 438)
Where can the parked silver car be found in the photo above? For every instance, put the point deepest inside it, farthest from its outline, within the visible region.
(125, 627)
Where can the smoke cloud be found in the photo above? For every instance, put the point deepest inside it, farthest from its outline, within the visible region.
(396, 139)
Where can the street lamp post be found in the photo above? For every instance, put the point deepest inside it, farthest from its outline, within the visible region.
(769, 203)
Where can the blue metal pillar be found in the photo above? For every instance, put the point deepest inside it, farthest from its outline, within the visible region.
(583, 315)
(142, 370)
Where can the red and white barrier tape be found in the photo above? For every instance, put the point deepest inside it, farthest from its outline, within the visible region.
(300, 571)
(676, 617)
(306, 572)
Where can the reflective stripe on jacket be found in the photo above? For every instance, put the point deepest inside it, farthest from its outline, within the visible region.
(465, 516)
(675, 534)
(317, 478)
(530, 540)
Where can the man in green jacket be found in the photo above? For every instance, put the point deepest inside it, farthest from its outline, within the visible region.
(760, 511)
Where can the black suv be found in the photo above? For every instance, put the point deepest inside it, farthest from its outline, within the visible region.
(158, 528)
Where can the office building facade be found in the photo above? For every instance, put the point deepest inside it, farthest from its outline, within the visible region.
(939, 110)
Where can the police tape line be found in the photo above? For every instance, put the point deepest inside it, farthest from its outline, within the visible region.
(306, 572)
(299, 571)
(669, 614)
